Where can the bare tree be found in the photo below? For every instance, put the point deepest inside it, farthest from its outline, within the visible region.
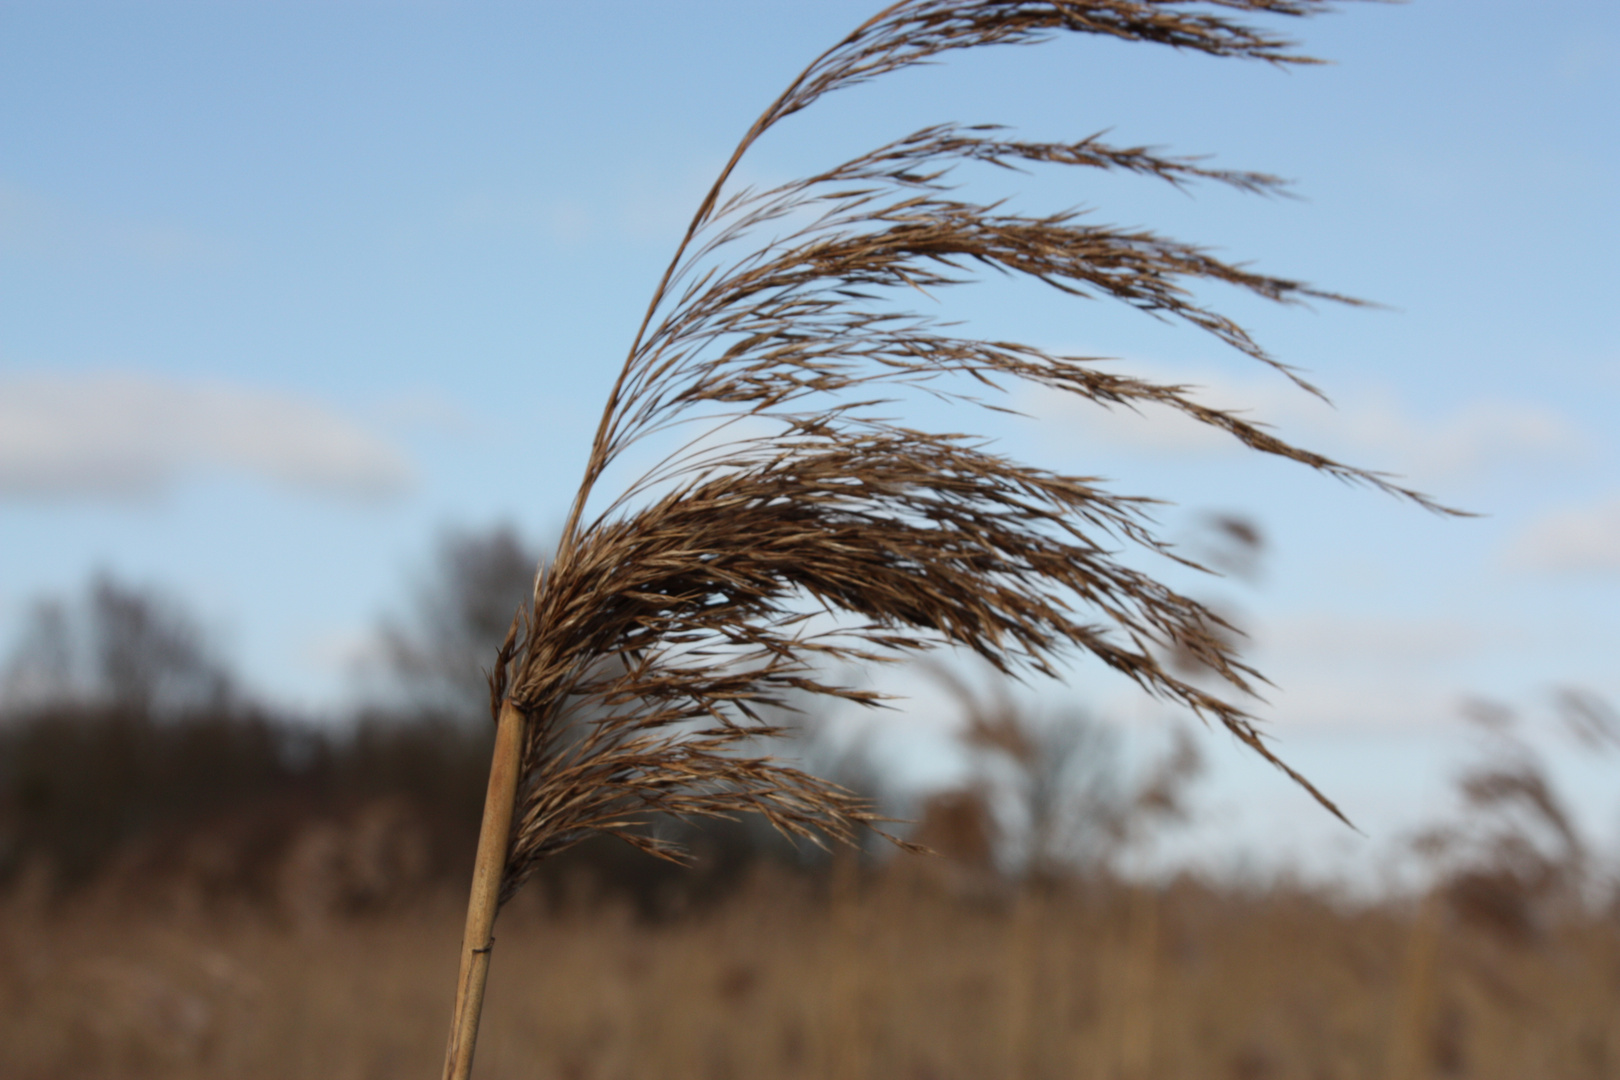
(1055, 787)
(43, 667)
(435, 658)
(119, 646)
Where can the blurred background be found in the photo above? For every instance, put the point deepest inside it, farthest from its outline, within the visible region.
(307, 312)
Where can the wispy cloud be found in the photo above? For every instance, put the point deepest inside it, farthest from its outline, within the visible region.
(44, 227)
(1378, 642)
(125, 435)
(1336, 668)
(1584, 57)
(430, 411)
(1574, 540)
(1373, 428)
(641, 206)
(562, 220)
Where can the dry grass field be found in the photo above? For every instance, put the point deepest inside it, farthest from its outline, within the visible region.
(235, 900)
(894, 974)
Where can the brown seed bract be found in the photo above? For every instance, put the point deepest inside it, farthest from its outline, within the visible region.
(734, 575)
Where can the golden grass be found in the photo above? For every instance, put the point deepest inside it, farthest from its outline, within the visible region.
(842, 978)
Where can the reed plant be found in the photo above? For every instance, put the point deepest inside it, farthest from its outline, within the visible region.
(799, 528)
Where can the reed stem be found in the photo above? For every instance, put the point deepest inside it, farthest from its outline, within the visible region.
(479, 939)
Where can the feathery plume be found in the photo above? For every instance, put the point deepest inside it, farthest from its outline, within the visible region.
(734, 575)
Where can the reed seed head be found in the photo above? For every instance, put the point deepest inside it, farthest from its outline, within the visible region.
(729, 580)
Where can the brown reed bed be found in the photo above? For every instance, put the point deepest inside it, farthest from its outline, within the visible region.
(840, 975)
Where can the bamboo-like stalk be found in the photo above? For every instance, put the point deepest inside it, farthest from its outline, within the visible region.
(493, 839)
(1416, 997)
(1137, 993)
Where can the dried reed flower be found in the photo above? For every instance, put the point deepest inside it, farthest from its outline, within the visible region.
(736, 573)
(694, 609)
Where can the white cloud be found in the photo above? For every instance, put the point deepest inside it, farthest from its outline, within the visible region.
(126, 435)
(1372, 429)
(430, 412)
(1585, 56)
(1479, 436)
(344, 652)
(1574, 540)
(45, 227)
(1337, 668)
(640, 206)
(567, 221)
(1381, 642)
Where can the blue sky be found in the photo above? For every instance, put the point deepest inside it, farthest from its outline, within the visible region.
(286, 287)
